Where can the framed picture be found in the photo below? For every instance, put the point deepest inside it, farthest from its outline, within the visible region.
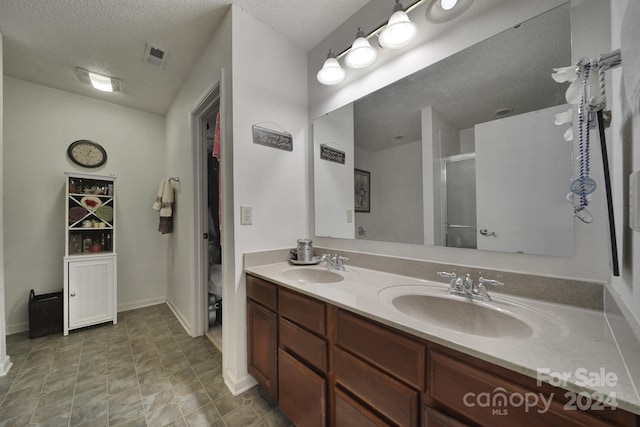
(362, 188)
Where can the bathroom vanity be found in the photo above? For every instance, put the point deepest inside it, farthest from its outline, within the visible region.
(338, 353)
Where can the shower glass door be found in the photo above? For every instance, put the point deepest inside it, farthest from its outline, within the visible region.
(459, 193)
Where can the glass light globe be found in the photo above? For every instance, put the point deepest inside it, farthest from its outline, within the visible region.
(361, 54)
(399, 31)
(331, 73)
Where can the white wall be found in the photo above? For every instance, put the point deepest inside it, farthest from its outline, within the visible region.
(591, 259)
(5, 363)
(259, 85)
(624, 152)
(214, 62)
(40, 123)
(269, 87)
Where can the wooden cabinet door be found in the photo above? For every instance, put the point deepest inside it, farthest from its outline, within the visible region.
(303, 393)
(90, 292)
(262, 347)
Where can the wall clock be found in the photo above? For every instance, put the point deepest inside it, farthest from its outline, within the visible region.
(87, 153)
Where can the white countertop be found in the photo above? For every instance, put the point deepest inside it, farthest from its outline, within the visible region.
(576, 342)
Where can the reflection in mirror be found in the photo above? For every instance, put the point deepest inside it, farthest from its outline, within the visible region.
(463, 153)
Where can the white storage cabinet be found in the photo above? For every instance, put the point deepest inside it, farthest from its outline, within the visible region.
(90, 261)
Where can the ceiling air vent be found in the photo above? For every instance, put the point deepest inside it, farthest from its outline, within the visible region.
(154, 55)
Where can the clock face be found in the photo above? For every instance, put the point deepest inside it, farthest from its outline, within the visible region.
(87, 153)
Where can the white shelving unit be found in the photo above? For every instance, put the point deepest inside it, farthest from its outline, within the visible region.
(90, 261)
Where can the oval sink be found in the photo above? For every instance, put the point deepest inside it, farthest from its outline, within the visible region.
(304, 275)
(466, 316)
(502, 317)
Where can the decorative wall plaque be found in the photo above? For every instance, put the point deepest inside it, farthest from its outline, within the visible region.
(331, 154)
(272, 138)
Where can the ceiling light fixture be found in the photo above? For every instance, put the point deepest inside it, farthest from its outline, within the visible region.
(361, 54)
(400, 31)
(98, 81)
(331, 73)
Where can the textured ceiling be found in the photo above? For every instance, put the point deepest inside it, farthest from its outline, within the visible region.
(45, 40)
(510, 70)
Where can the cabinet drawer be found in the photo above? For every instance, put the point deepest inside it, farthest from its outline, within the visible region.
(262, 292)
(302, 310)
(350, 413)
(303, 393)
(461, 386)
(400, 356)
(388, 396)
(307, 346)
(433, 418)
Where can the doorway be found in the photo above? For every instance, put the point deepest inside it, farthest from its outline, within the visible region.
(205, 122)
(210, 128)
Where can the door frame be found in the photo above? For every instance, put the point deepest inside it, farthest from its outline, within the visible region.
(209, 100)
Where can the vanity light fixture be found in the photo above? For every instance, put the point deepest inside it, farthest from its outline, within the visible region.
(98, 81)
(399, 31)
(361, 54)
(331, 73)
(439, 11)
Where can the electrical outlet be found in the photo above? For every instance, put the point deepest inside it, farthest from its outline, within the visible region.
(246, 215)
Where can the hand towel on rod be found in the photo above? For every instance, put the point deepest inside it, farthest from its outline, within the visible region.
(164, 204)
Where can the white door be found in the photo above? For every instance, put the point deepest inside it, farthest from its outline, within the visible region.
(91, 296)
(526, 165)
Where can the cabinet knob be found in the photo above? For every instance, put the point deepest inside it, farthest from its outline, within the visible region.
(73, 294)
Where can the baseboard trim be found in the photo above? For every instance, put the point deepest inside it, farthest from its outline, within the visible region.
(5, 366)
(238, 386)
(141, 304)
(181, 318)
(23, 327)
(17, 328)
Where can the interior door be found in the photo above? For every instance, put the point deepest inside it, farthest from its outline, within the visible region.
(527, 169)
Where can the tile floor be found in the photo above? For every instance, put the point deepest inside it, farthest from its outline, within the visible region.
(144, 371)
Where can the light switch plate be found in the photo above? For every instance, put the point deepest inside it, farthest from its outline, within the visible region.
(349, 215)
(246, 215)
(634, 200)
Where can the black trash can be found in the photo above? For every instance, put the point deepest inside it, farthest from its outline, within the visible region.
(45, 314)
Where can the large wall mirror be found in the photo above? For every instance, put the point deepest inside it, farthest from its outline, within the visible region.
(463, 153)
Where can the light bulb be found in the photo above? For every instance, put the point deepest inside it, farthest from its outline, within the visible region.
(361, 54)
(399, 30)
(331, 73)
(448, 4)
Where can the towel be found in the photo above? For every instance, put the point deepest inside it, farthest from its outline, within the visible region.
(164, 204)
(164, 199)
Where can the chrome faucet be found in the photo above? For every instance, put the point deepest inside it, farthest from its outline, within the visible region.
(464, 286)
(335, 262)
